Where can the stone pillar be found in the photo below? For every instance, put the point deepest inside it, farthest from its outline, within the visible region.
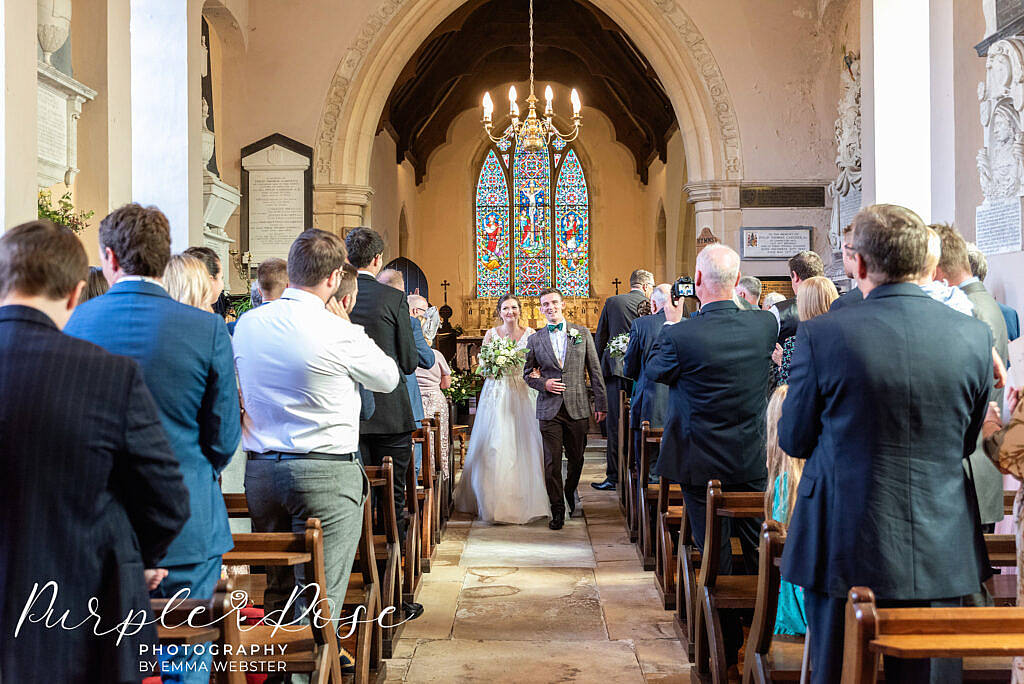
(908, 127)
(338, 207)
(18, 112)
(166, 114)
(716, 204)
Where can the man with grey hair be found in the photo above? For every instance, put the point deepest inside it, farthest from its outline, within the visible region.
(716, 366)
(979, 267)
(617, 316)
(749, 292)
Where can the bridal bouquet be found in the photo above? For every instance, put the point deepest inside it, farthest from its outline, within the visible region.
(499, 357)
(617, 345)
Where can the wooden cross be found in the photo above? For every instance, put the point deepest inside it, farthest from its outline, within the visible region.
(445, 284)
(616, 283)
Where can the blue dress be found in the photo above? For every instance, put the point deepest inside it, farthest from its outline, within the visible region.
(790, 618)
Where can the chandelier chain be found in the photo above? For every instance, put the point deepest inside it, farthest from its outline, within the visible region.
(531, 47)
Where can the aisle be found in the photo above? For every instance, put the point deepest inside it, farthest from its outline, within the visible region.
(525, 604)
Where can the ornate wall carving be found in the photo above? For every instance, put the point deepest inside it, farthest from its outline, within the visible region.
(1001, 96)
(845, 190)
(710, 74)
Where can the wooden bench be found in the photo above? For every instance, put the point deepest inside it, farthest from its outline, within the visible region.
(412, 568)
(387, 549)
(460, 433)
(426, 484)
(672, 523)
(987, 638)
(440, 482)
(622, 483)
(632, 487)
(718, 592)
(1002, 550)
(647, 497)
(177, 617)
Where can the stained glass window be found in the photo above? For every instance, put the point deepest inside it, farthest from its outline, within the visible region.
(528, 238)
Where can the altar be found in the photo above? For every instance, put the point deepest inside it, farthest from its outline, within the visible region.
(480, 313)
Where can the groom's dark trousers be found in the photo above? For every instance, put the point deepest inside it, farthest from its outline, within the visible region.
(572, 434)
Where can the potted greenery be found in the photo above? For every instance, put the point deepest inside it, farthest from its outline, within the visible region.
(463, 391)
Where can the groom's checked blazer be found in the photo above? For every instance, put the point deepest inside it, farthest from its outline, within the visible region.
(580, 357)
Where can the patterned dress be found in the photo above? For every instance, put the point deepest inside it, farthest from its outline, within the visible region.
(1006, 449)
(782, 371)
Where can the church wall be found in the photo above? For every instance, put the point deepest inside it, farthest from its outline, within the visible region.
(665, 192)
(441, 225)
(393, 188)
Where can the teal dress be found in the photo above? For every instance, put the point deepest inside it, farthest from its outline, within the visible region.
(790, 618)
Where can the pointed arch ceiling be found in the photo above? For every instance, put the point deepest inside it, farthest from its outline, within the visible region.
(484, 44)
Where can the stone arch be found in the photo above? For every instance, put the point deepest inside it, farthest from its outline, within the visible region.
(660, 28)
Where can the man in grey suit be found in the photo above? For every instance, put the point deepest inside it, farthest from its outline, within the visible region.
(955, 268)
(557, 360)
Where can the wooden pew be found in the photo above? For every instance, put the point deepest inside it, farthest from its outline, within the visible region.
(1008, 497)
(987, 638)
(440, 482)
(412, 568)
(176, 617)
(632, 520)
(388, 552)
(458, 432)
(425, 491)
(622, 484)
(716, 591)
(672, 523)
(647, 497)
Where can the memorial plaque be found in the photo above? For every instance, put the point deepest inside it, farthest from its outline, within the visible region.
(1007, 11)
(52, 134)
(998, 225)
(277, 196)
(782, 196)
(774, 243)
(849, 205)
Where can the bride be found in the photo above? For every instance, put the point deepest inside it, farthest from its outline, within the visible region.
(503, 477)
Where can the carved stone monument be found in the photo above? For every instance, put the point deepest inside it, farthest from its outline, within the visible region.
(845, 190)
(277, 195)
(59, 99)
(1001, 160)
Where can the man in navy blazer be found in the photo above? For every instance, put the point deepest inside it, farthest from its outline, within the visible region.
(90, 493)
(885, 401)
(649, 400)
(187, 363)
(716, 366)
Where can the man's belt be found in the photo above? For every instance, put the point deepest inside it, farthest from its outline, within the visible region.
(314, 455)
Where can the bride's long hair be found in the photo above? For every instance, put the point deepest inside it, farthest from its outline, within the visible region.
(504, 298)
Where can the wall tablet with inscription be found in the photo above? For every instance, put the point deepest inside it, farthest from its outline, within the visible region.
(277, 195)
(774, 243)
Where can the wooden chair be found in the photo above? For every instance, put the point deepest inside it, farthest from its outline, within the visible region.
(458, 432)
(647, 497)
(387, 551)
(1002, 550)
(622, 483)
(426, 491)
(311, 649)
(176, 617)
(1008, 497)
(671, 524)
(986, 638)
(768, 658)
(718, 592)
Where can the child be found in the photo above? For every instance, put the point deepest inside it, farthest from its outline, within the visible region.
(783, 477)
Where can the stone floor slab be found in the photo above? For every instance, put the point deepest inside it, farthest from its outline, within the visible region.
(506, 662)
(567, 619)
(531, 545)
(528, 584)
(661, 656)
(440, 601)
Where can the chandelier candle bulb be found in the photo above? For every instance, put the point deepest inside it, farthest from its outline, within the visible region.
(488, 107)
(574, 97)
(548, 96)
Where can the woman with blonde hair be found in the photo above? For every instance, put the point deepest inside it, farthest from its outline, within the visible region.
(783, 477)
(814, 298)
(188, 282)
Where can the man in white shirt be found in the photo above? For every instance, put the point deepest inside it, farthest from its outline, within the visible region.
(298, 364)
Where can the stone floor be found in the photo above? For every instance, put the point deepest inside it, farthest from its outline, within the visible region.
(509, 603)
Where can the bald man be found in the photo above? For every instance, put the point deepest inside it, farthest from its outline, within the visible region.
(716, 366)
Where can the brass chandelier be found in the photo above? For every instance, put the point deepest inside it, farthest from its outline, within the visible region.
(535, 133)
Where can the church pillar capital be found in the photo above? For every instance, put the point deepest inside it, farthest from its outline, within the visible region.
(718, 218)
(340, 206)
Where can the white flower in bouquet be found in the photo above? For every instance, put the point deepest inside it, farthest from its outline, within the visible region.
(499, 357)
(617, 345)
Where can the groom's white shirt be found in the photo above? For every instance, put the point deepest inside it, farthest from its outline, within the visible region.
(558, 341)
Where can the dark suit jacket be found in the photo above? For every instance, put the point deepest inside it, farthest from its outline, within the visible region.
(186, 360)
(384, 315)
(1012, 321)
(988, 481)
(716, 366)
(852, 297)
(789, 319)
(884, 501)
(650, 399)
(618, 314)
(580, 361)
(90, 494)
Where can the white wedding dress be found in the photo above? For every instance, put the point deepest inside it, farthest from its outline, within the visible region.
(503, 477)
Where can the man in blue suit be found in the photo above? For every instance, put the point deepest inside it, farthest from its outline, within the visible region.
(716, 366)
(186, 360)
(885, 428)
(649, 400)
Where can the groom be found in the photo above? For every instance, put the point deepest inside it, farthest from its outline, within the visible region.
(556, 359)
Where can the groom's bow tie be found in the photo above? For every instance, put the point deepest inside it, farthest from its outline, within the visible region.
(558, 326)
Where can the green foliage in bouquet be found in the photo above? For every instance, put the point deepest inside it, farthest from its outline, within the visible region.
(64, 213)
